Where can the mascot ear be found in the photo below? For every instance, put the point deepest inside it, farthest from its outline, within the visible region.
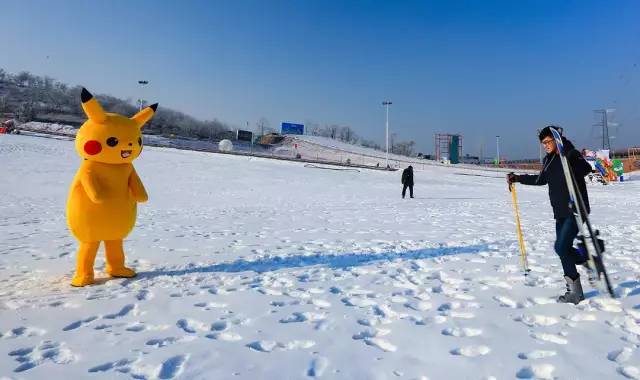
(92, 108)
(145, 115)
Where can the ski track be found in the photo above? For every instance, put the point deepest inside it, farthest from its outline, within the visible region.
(250, 268)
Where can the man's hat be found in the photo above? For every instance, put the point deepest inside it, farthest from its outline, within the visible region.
(546, 131)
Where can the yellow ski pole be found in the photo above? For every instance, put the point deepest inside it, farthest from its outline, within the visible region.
(523, 251)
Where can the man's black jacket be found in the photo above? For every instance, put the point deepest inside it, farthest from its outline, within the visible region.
(407, 177)
(553, 175)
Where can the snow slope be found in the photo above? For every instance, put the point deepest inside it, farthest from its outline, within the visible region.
(258, 269)
(317, 147)
(324, 148)
(309, 147)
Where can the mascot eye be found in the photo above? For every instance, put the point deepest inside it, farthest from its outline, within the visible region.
(112, 141)
(140, 141)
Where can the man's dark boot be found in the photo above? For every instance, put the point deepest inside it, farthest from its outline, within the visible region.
(574, 292)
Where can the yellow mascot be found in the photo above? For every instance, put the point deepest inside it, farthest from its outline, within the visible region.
(106, 189)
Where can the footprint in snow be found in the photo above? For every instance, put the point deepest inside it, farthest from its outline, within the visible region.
(471, 351)
(630, 372)
(123, 312)
(621, 355)
(227, 336)
(537, 320)
(46, 351)
(173, 367)
(270, 345)
(317, 367)
(144, 295)
(536, 371)
(537, 354)
(76, 324)
(23, 331)
(381, 344)
(551, 338)
(192, 326)
(170, 368)
(461, 332)
(506, 301)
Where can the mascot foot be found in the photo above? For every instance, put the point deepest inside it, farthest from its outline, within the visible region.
(80, 281)
(122, 272)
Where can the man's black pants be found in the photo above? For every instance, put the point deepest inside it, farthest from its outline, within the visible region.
(404, 190)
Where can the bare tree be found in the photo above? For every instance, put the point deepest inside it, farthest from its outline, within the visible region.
(23, 78)
(263, 125)
(347, 135)
(4, 104)
(333, 131)
(404, 148)
(26, 111)
(370, 144)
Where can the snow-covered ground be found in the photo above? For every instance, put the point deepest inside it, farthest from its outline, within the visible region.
(258, 269)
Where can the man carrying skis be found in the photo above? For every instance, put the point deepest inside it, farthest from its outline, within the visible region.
(566, 227)
(407, 181)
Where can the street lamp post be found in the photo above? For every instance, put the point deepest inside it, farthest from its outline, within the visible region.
(386, 104)
(540, 148)
(142, 83)
(498, 150)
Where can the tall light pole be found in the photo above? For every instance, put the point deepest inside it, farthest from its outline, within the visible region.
(540, 147)
(386, 104)
(142, 83)
(498, 150)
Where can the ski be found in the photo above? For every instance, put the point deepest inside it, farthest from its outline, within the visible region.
(593, 245)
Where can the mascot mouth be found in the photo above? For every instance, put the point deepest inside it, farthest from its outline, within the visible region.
(125, 153)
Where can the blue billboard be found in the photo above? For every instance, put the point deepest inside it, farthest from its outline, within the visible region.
(292, 129)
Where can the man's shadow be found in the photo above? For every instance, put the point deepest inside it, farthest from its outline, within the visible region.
(333, 261)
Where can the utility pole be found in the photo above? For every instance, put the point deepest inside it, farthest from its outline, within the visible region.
(498, 150)
(604, 124)
(540, 146)
(386, 104)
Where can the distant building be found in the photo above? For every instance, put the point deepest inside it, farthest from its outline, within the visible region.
(468, 159)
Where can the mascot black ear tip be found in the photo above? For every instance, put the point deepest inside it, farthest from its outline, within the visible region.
(154, 107)
(85, 95)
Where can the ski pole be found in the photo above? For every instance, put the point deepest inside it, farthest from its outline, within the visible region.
(523, 251)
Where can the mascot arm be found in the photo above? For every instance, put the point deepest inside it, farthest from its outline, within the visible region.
(91, 187)
(137, 188)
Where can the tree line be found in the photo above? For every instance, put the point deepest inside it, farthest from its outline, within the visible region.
(30, 97)
(348, 135)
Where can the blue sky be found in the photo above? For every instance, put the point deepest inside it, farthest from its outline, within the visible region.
(480, 68)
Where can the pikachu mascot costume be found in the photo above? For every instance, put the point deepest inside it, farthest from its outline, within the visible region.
(106, 189)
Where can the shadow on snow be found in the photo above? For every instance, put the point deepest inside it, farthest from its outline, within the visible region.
(334, 261)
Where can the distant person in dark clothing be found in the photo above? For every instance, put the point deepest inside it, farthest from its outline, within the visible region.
(407, 181)
(566, 227)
